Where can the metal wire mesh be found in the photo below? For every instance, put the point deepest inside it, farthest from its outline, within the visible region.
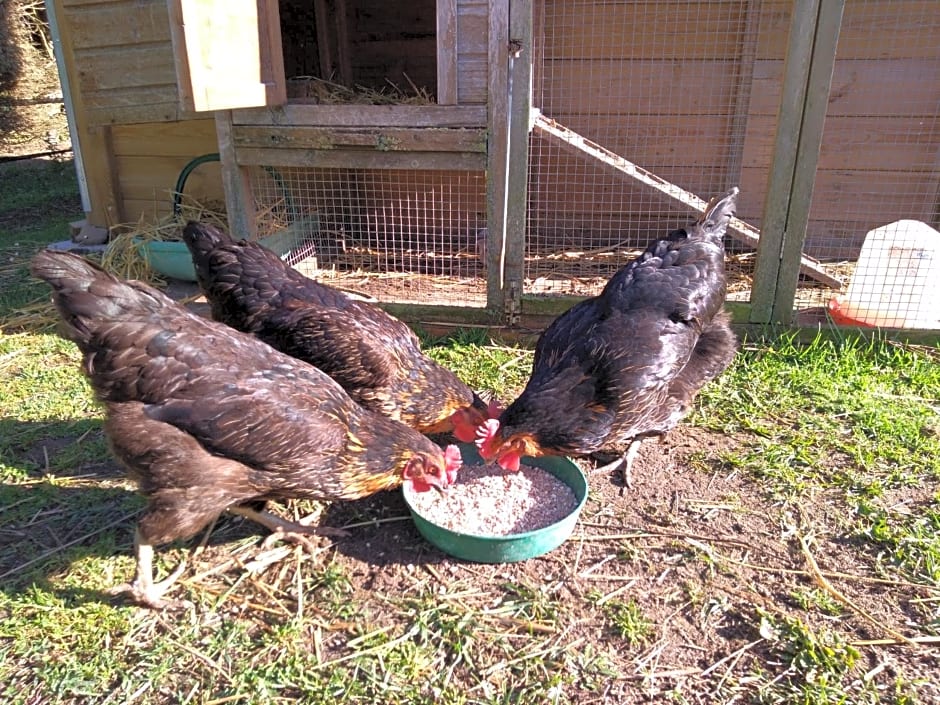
(690, 91)
(880, 164)
(397, 235)
(667, 86)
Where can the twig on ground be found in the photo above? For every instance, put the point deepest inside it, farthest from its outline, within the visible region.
(828, 587)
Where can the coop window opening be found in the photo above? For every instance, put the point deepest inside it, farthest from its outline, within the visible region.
(341, 52)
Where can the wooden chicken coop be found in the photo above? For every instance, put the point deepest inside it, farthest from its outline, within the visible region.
(489, 161)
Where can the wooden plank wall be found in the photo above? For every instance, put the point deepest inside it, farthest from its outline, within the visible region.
(660, 83)
(124, 58)
(136, 137)
(149, 158)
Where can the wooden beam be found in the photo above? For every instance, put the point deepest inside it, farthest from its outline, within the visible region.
(382, 139)
(740, 230)
(807, 157)
(814, 32)
(321, 16)
(520, 57)
(364, 115)
(361, 159)
(343, 61)
(101, 176)
(446, 52)
(497, 152)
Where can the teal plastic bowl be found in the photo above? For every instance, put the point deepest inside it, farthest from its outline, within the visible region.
(171, 259)
(512, 547)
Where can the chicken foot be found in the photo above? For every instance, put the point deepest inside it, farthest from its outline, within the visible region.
(142, 590)
(626, 460)
(282, 528)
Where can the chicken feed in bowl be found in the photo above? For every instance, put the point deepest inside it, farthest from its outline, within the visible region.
(491, 516)
(488, 501)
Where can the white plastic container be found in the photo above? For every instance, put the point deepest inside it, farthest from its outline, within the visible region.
(896, 283)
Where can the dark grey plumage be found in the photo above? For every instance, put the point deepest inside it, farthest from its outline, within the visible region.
(628, 363)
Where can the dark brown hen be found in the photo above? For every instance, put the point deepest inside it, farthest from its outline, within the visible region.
(206, 419)
(627, 363)
(375, 357)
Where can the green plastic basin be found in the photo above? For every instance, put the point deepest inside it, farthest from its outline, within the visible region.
(169, 258)
(512, 547)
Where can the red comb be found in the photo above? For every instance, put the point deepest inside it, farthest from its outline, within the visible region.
(485, 433)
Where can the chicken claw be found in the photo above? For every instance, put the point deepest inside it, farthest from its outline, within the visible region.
(143, 591)
(627, 461)
(289, 530)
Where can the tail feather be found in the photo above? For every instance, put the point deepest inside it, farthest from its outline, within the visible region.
(85, 294)
(718, 213)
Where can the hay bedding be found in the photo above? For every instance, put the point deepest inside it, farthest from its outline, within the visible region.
(488, 501)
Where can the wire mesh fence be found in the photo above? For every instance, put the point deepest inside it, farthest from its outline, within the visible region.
(646, 106)
(397, 235)
(664, 85)
(690, 91)
(880, 164)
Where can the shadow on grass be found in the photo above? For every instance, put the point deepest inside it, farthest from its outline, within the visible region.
(65, 500)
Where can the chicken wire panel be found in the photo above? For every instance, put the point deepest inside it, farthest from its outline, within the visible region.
(396, 235)
(879, 167)
(668, 86)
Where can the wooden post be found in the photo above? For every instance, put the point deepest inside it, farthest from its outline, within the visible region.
(239, 203)
(447, 52)
(517, 178)
(497, 102)
(509, 101)
(93, 142)
(814, 34)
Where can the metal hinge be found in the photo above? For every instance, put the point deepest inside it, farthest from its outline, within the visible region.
(513, 301)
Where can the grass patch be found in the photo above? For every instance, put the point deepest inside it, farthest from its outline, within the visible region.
(691, 588)
(859, 416)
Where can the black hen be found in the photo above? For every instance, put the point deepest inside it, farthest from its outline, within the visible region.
(375, 357)
(206, 419)
(627, 363)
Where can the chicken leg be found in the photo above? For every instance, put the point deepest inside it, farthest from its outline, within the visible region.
(292, 531)
(142, 590)
(626, 460)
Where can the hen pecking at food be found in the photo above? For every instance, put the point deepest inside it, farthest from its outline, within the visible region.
(626, 364)
(206, 419)
(375, 357)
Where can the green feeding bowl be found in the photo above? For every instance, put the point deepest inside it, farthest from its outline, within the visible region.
(169, 258)
(512, 547)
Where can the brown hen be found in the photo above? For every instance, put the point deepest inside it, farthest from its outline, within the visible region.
(206, 419)
(375, 357)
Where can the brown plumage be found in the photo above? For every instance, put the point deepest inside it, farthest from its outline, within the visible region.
(627, 363)
(206, 419)
(375, 357)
